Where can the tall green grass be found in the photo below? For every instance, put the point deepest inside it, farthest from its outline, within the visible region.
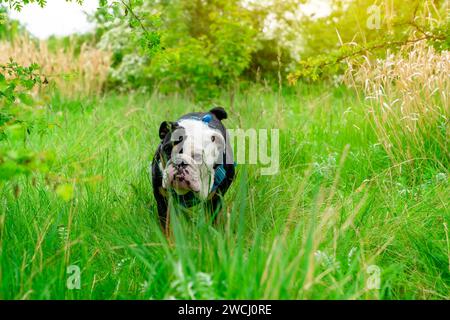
(337, 207)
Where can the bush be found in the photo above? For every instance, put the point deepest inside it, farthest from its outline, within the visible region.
(19, 116)
(205, 64)
(203, 46)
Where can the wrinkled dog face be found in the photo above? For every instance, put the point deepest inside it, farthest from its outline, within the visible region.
(196, 149)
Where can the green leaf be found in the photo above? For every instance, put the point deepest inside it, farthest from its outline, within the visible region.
(28, 83)
(3, 83)
(26, 99)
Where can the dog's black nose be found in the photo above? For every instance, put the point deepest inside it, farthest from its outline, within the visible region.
(181, 165)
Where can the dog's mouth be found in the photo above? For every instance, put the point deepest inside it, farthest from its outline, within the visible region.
(184, 175)
(182, 181)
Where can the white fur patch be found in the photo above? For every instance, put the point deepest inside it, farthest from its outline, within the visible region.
(198, 141)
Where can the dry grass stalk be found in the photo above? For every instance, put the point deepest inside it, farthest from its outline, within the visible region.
(73, 73)
(408, 98)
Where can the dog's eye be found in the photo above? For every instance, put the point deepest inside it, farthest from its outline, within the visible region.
(177, 139)
(213, 138)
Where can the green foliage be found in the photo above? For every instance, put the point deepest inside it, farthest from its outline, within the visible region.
(441, 36)
(175, 53)
(212, 59)
(367, 28)
(143, 25)
(72, 42)
(9, 29)
(19, 117)
(19, 4)
(204, 45)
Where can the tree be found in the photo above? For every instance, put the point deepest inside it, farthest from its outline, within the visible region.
(358, 27)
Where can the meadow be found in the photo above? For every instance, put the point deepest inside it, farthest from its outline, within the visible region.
(337, 207)
(358, 210)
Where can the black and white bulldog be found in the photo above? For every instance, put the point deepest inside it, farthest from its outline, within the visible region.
(193, 163)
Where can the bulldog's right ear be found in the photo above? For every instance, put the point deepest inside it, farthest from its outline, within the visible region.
(219, 112)
(165, 128)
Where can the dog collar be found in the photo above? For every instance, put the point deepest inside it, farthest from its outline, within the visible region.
(219, 176)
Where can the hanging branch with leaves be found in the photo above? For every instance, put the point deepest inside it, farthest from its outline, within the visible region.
(435, 32)
(146, 26)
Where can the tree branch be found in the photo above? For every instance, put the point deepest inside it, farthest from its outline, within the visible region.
(130, 9)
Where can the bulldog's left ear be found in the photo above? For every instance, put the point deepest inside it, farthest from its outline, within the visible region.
(219, 112)
(165, 128)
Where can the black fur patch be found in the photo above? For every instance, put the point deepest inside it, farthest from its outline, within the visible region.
(219, 112)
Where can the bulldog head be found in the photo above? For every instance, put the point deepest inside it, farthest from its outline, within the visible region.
(192, 148)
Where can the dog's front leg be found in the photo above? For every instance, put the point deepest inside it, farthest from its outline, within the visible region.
(164, 218)
(167, 229)
(162, 206)
(214, 208)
